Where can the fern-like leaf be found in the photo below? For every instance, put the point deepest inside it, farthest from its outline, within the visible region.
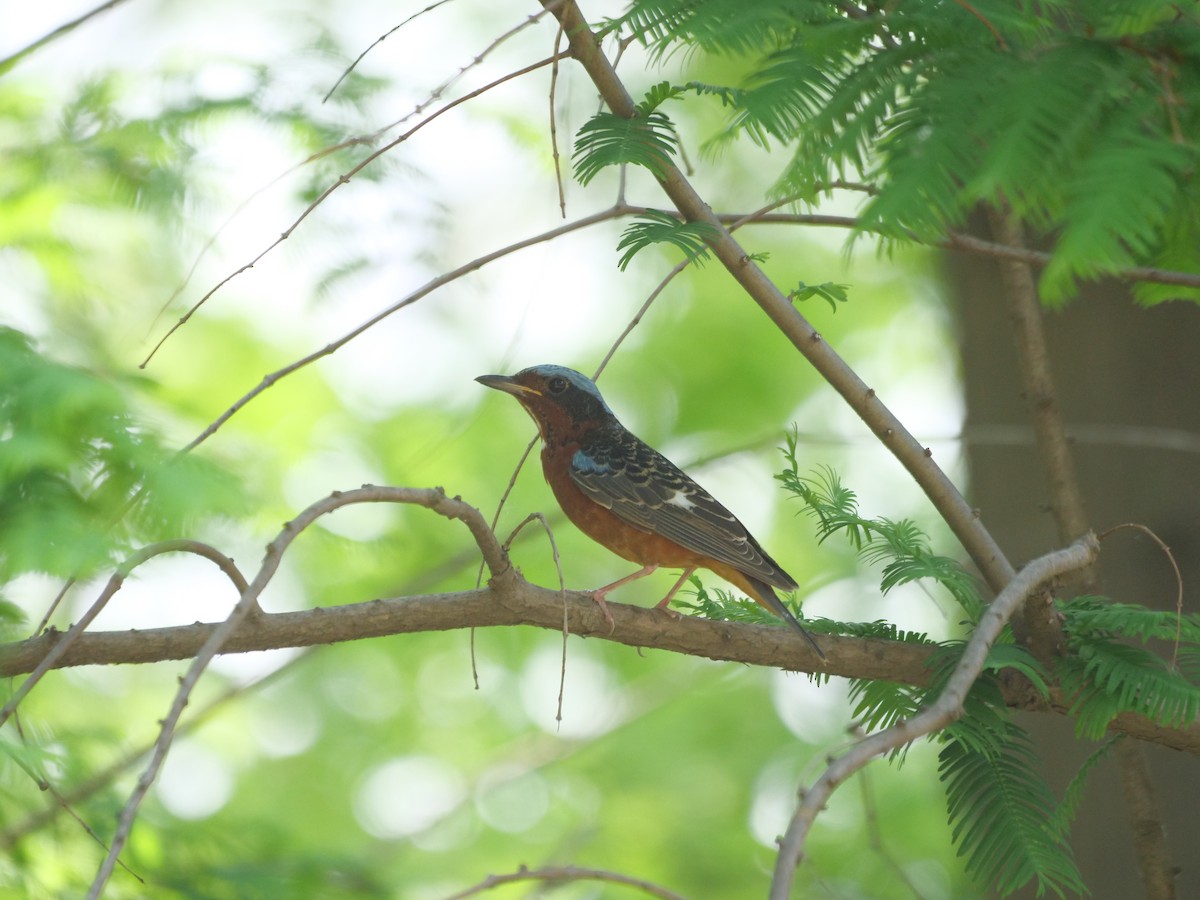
(609, 140)
(658, 227)
(1106, 678)
(1002, 814)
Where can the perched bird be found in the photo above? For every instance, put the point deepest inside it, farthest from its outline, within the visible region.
(626, 495)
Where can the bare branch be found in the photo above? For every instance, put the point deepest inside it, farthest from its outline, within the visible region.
(556, 875)
(432, 498)
(114, 584)
(66, 28)
(325, 194)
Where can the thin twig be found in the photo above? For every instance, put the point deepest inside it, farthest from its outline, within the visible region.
(562, 587)
(556, 875)
(995, 32)
(1162, 545)
(325, 194)
(66, 28)
(428, 288)
(558, 176)
(945, 710)
(375, 43)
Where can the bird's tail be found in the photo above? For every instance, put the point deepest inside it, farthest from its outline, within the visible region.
(765, 595)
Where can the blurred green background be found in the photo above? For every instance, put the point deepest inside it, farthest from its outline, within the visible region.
(379, 768)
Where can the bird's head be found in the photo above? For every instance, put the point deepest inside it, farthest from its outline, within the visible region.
(563, 402)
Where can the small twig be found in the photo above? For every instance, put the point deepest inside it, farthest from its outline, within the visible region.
(428, 288)
(375, 43)
(1137, 526)
(437, 92)
(562, 588)
(946, 709)
(66, 28)
(995, 32)
(558, 176)
(342, 179)
(61, 803)
(562, 875)
(875, 832)
(114, 584)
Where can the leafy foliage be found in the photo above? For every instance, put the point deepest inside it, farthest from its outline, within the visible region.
(1002, 812)
(1106, 676)
(1077, 115)
(1006, 822)
(79, 476)
(659, 227)
(609, 140)
(831, 293)
(900, 547)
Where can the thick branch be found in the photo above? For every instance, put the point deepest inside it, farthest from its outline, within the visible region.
(891, 432)
(510, 600)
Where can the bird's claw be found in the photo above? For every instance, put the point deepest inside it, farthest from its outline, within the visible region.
(598, 596)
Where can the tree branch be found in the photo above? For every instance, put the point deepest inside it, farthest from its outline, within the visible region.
(247, 605)
(947, 708)
(510, 600)
(953, 508)
(1043, 628)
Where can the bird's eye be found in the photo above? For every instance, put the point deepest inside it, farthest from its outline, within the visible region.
(557, 384)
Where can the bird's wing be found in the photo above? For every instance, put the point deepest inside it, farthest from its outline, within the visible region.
(647, 490)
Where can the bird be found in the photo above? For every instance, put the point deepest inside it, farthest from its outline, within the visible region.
(631, 499)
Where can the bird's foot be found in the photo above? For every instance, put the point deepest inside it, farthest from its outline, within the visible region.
(598, 596)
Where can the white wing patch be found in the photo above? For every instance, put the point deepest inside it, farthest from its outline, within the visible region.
(680, 499)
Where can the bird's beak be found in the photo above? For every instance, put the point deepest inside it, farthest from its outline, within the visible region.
(507, 384)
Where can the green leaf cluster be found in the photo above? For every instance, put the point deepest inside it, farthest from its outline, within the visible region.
(1078, 115)
(1106, 676)
(899, 546)
(1005, 819)
(80, 476)
(647, 139)
(659, 227)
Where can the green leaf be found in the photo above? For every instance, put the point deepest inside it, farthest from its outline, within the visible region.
(1003, 816)
(831, 293)
(658, 227)
(608, 140)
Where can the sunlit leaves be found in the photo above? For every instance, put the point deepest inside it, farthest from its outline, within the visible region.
(79, 475)
(1080, 120)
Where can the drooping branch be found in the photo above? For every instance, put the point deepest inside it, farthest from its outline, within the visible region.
(947, 708)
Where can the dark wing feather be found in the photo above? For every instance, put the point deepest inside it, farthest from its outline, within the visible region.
(647, 490)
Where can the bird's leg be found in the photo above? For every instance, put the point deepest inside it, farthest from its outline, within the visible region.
(600, 593)
(662, 604)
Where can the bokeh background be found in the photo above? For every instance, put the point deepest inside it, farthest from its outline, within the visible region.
(158, 148)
